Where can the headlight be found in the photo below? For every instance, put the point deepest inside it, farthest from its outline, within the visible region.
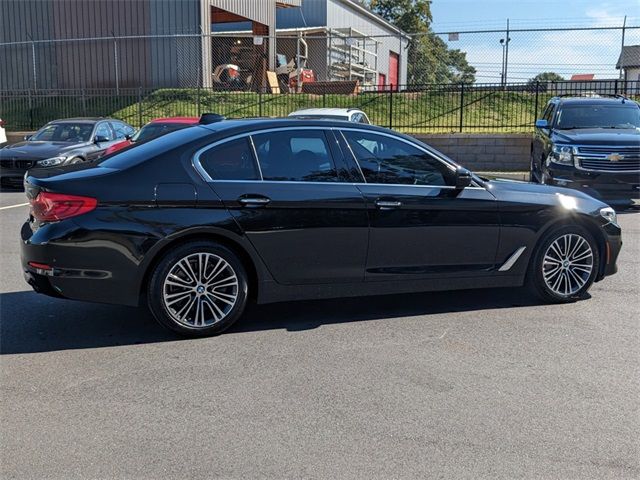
(562, 154)
(610, 214)
(51, 162)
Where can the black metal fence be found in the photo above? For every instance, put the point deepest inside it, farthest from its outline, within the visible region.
(432, 108)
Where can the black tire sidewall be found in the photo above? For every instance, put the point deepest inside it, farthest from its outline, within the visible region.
(536, 279)
(155, 288)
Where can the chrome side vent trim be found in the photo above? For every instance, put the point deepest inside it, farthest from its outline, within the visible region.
(512, 260)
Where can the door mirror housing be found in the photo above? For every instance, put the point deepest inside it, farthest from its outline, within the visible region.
(27, 137)
(542, 123)
(100, 139)
(464, 178)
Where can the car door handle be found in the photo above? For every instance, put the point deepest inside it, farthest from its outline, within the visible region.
(254, 201)
(388, 204)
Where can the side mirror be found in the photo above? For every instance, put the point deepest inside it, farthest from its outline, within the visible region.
(27, 137)
(542, 123)
(464, 178)
(128, 136)
(100, 139)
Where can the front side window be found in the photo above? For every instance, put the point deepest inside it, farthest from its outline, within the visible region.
(384, 159)
(103, 130)
(295, 155)
(231, 160)
(548, 113)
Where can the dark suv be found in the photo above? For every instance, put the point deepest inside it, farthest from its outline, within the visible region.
(590, 144)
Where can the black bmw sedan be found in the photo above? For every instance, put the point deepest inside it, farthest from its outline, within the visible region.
(199, 221)
(61, 142)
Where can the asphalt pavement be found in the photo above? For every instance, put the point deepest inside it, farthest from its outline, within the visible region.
(470, 384)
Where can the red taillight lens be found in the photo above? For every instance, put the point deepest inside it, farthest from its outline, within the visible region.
(51, 207)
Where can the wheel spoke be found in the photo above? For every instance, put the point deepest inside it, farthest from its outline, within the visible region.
(567, 264)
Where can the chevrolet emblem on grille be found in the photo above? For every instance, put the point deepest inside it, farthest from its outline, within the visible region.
(615, 157)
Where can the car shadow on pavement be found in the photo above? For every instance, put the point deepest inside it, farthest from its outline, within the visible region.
(31, 323)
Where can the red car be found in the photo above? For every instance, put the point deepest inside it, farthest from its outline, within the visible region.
(155, 128)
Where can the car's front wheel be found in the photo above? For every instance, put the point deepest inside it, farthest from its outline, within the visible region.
(198, 289)
(565, 264)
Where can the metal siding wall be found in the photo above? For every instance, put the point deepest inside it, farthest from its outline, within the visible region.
(340, 15)
(313, 13)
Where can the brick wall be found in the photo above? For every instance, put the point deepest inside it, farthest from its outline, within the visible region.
(484, 152)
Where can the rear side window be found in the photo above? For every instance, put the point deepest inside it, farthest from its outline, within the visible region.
(384, 159)
(231, 160)
(295, 155)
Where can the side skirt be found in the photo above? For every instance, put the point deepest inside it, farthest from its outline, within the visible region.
(271, 292)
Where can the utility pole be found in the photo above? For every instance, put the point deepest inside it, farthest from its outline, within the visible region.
(505, 56)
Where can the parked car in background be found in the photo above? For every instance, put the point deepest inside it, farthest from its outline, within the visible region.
(590, 144)
(347, 114)
(155, 128)
(3, 133)
(200, 220)
(61, 142)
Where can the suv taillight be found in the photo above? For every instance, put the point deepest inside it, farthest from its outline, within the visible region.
(51, 207)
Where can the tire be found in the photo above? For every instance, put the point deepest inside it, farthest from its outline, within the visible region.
(198, 289)
(556, 277)
(532, 171)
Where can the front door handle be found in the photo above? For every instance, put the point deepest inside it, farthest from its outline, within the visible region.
(388, 204)
(257, 201)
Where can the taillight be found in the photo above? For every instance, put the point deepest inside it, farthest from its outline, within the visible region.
(51, 207)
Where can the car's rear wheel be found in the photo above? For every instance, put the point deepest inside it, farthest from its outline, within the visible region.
(198, 289)
(565, 265)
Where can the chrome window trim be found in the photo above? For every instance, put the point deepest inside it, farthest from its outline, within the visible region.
(196, 164)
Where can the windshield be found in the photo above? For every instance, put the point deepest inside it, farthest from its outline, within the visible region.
(64, 132)
(598, 116)
(153, 130)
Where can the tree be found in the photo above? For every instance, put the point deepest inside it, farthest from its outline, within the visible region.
(429, 59)
(545, 77)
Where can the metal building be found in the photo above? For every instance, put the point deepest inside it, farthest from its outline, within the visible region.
(55, 44)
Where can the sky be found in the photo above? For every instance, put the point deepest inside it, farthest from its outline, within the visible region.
(564, 51)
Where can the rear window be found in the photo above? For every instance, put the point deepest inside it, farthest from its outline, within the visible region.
(147, 150)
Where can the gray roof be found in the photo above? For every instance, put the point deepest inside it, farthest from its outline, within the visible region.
(629, 57)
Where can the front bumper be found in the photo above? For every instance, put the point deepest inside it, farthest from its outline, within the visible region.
(12, 176)
(612, 188)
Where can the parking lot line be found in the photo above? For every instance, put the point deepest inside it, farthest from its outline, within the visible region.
(14, 206)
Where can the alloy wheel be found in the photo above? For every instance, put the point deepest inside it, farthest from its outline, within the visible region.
(567, 264)
(200, 290)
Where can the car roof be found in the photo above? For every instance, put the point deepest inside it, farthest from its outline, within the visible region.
(324, 111)
(188, 120)
(595, 101)
(248, 124)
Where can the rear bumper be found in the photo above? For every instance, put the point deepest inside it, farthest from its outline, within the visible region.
(73, 272)
(611, 188)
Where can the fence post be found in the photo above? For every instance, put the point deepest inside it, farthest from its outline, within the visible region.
(461, 105)
(535, 109)
(615, 87)
(259, 102)
(83, 101)
(30, 111)
(198, 100)
(324, 100)
(391, 106)
(139, 107)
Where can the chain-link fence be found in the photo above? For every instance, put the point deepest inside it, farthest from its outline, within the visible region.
(452, 81)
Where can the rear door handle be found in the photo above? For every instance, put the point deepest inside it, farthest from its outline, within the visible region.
(257, 201)
(388, 204)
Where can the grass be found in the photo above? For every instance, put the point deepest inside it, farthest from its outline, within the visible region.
(436, 111)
